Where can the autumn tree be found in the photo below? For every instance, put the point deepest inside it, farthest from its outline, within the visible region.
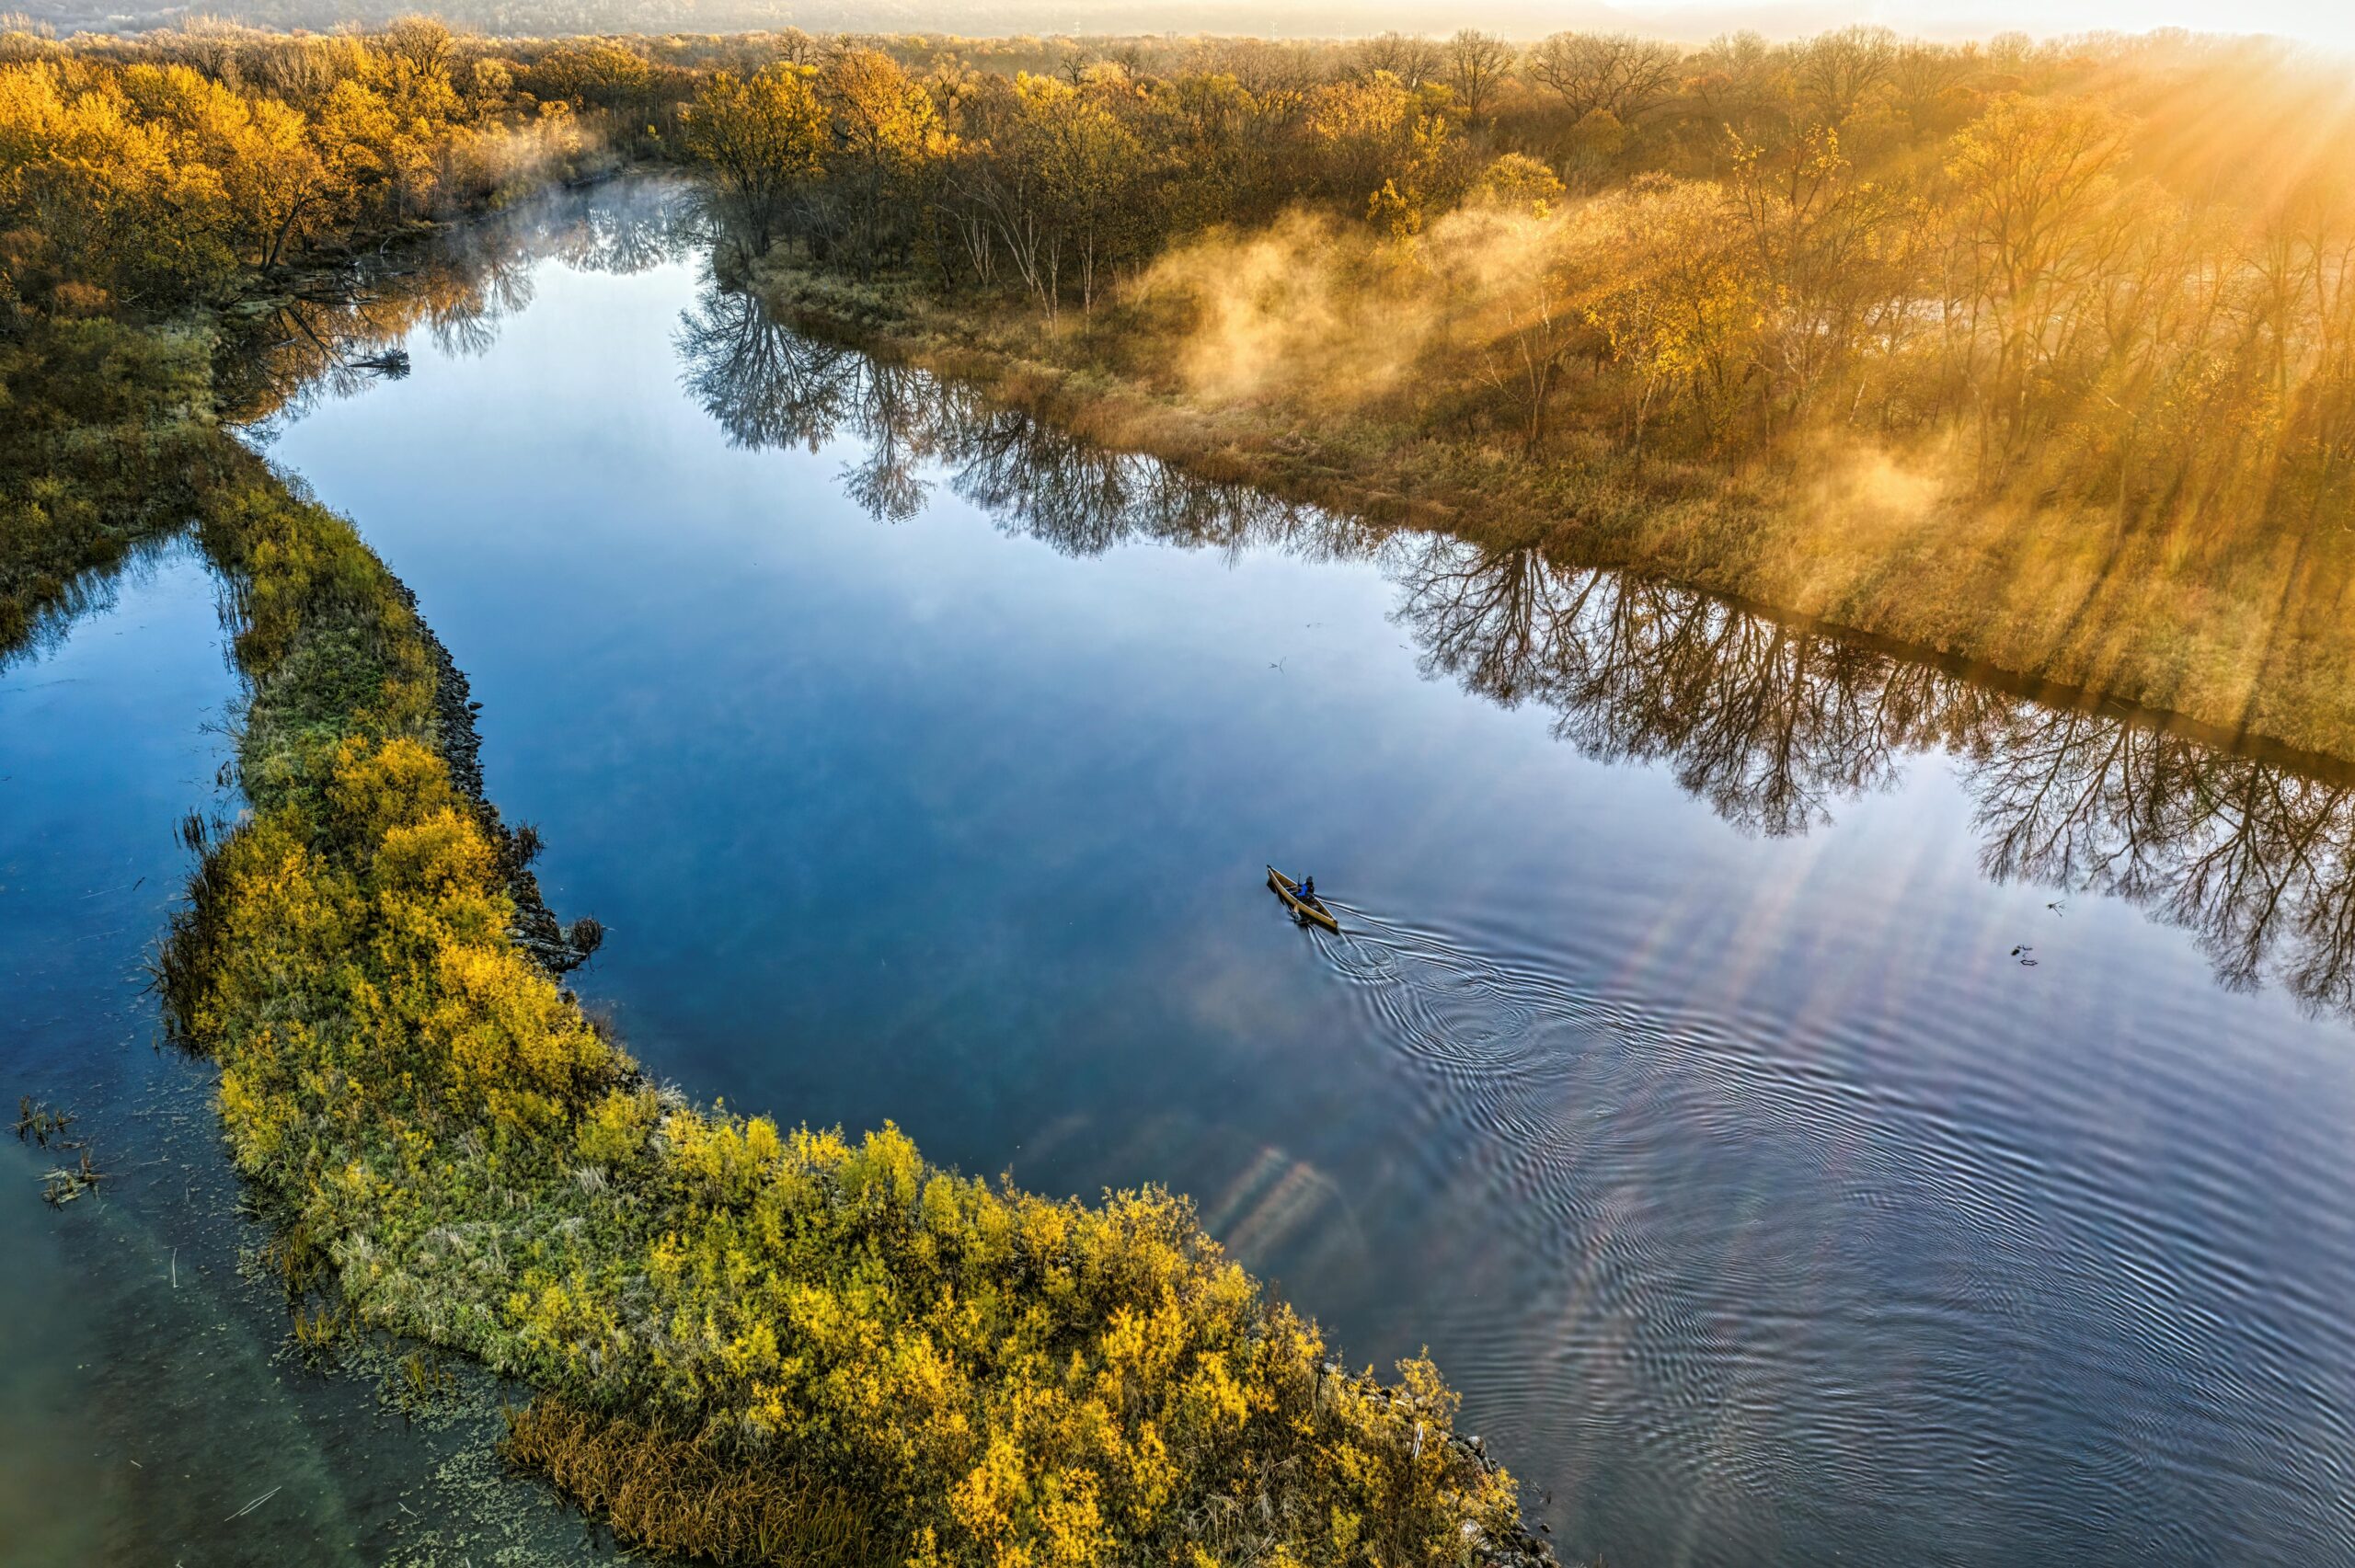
(1088, 166)
(1836, 71)
(1614, 74)
(1677, 305)
(599, 74)
(2035, 191)
(888, 135)
(1375, 141)
(1410, 57)
(277, 182)
(114, 211)
(762, 137)
(1476, 64)
(1838, 257)
(1217, 159)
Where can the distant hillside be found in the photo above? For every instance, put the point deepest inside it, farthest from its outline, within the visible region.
(1308, 18)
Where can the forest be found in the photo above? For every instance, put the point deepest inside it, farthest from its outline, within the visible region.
(1999, 349)
(2042, 271)
(2036, 353)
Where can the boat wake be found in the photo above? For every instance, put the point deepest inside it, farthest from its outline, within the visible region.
(1712, 1264)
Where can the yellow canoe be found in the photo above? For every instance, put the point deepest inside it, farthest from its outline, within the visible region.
(1306, 909)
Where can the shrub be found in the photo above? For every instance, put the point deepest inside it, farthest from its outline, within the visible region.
(738, 1326)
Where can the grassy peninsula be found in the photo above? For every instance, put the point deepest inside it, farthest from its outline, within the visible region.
(751, 1342)
(756, 1343)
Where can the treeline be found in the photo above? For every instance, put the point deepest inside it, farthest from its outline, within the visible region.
(2106, 271)
(146, 174)
(2107, 266)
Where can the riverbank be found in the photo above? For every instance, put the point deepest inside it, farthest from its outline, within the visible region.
(2243, 639)
(880, 1357)
(885, 1357)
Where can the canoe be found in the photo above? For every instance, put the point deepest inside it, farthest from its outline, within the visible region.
(1306, 909)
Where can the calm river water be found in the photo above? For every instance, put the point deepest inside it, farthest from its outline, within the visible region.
(1675, 1079)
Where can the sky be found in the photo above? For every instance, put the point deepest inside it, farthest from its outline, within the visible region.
(2330, 24)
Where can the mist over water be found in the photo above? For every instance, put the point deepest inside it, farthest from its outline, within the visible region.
(1674, 1077)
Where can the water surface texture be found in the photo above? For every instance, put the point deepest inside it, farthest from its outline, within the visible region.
(1677, 1079)
(152, 1409)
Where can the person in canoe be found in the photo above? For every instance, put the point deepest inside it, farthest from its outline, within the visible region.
(1300, 896)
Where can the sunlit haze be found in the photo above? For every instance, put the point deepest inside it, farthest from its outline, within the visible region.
(2306, 21)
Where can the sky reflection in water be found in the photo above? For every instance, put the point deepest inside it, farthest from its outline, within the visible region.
(1675, 1081)
(147, 1391)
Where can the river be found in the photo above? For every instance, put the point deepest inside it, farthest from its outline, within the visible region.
(1815, 1105)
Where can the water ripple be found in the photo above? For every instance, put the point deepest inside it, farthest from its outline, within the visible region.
(1736, 1264)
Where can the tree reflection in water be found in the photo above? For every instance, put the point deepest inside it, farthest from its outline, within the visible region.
(2254, 856)
(1768, 723)
(316, 342)
(1773, 724)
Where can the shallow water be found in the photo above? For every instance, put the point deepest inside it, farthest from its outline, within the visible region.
(151, 1409)
(1674, 1079)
